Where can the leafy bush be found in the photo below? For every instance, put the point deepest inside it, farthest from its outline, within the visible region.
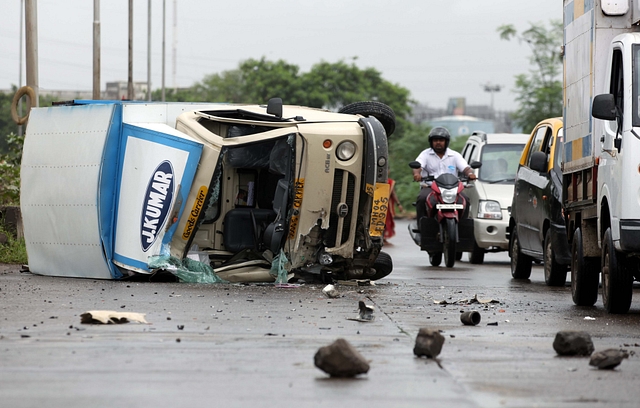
(14, 250)
(10, 170)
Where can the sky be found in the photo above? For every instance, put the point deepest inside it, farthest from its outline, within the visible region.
(437, 49)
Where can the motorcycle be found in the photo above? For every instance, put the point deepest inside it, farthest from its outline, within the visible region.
(445, 229)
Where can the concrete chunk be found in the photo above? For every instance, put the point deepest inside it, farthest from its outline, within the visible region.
(573, 343)
(340, 359)
(428, 343)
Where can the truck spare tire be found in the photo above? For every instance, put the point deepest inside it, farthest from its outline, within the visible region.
(378, 110)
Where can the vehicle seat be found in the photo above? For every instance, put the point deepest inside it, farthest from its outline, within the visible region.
(244, 228)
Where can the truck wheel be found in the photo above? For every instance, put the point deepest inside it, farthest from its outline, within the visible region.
(435, 258)
(555, 274)
(449, 244)
(617, 284)
(520, 263)
(383, 266)
(585, 273)
(378, 110)
(477, 255)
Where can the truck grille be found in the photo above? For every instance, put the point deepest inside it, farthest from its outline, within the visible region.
(343, 192)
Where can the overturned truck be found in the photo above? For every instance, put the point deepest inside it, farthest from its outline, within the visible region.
(112, 189)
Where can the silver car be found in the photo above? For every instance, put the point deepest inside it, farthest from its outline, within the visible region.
(490, 200)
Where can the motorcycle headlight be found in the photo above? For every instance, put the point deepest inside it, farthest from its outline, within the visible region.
(449, 195)
(489, 209)
(346, 150)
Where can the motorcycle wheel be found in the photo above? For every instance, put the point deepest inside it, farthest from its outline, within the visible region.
(449, 243)
(435, 258)
(383, 266)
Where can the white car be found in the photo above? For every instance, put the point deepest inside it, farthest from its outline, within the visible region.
(491, 198)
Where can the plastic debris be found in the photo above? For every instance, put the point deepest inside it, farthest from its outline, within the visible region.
(474, 299)
(111, 317)
(279, 268)
(365, 313)
(470, 318)
(330, 291)
(187, 269)
(589, 318)
(340, 359)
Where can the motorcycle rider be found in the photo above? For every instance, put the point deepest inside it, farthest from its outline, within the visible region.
(436, 160)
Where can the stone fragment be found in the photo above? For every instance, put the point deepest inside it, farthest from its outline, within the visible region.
(573, 343)
(340, 359)
(428, 343)
(608, 359)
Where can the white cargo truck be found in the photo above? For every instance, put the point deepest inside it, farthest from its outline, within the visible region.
(255, 192)
(601, 170)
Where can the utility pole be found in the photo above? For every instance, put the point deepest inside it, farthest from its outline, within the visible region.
(130, 76)
(20, 63)
(96, 49)
(149, 51)
(175, 42)
(31, 39)
(164, 25)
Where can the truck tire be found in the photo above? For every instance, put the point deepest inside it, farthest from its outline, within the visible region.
(477, 255)
(435, 258)
(383, 266)
(449, 243)
(378, 110)
(617, 283)
(520, 263)
(555, 274)
(585, 273)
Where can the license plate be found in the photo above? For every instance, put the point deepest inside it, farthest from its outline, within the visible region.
(379, 209)
(449, 206)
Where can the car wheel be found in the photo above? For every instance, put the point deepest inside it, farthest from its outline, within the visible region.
(555, 274)
(585, 273)
(378, 110)
(435, 258)
(383, 266)
(477, 255)
(520, 263)
(449, 244)
(617, 284)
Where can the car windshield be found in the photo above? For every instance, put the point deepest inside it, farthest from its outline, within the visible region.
(500, 162)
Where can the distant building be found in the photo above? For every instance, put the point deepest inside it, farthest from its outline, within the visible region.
(119, 91)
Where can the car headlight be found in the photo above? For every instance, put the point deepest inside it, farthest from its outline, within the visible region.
(449, 195)
(346, 150)
(489, 209)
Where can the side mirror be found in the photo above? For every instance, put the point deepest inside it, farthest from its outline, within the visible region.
(415, 165)
(274, 107)
(538, 162)
(475, 165)
(604, 107)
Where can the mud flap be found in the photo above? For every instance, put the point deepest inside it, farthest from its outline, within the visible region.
(430, 242)
(465, 235)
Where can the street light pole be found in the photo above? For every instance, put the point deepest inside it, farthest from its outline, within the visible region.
(491, 88)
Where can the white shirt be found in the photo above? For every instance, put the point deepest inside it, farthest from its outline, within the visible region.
(432, 165)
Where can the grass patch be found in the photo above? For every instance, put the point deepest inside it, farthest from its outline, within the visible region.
(14, 251)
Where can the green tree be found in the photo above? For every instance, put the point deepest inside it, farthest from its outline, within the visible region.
(539, 93)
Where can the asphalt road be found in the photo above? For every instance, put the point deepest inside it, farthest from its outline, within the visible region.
(253, 345)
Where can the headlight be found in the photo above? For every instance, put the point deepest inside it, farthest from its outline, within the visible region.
(449, 195)
(346, 150)
(490, 210)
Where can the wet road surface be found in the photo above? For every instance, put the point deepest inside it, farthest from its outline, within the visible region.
(253, 345)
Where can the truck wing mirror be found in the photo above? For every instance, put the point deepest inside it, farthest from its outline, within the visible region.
(604, 107)
(538, 162)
